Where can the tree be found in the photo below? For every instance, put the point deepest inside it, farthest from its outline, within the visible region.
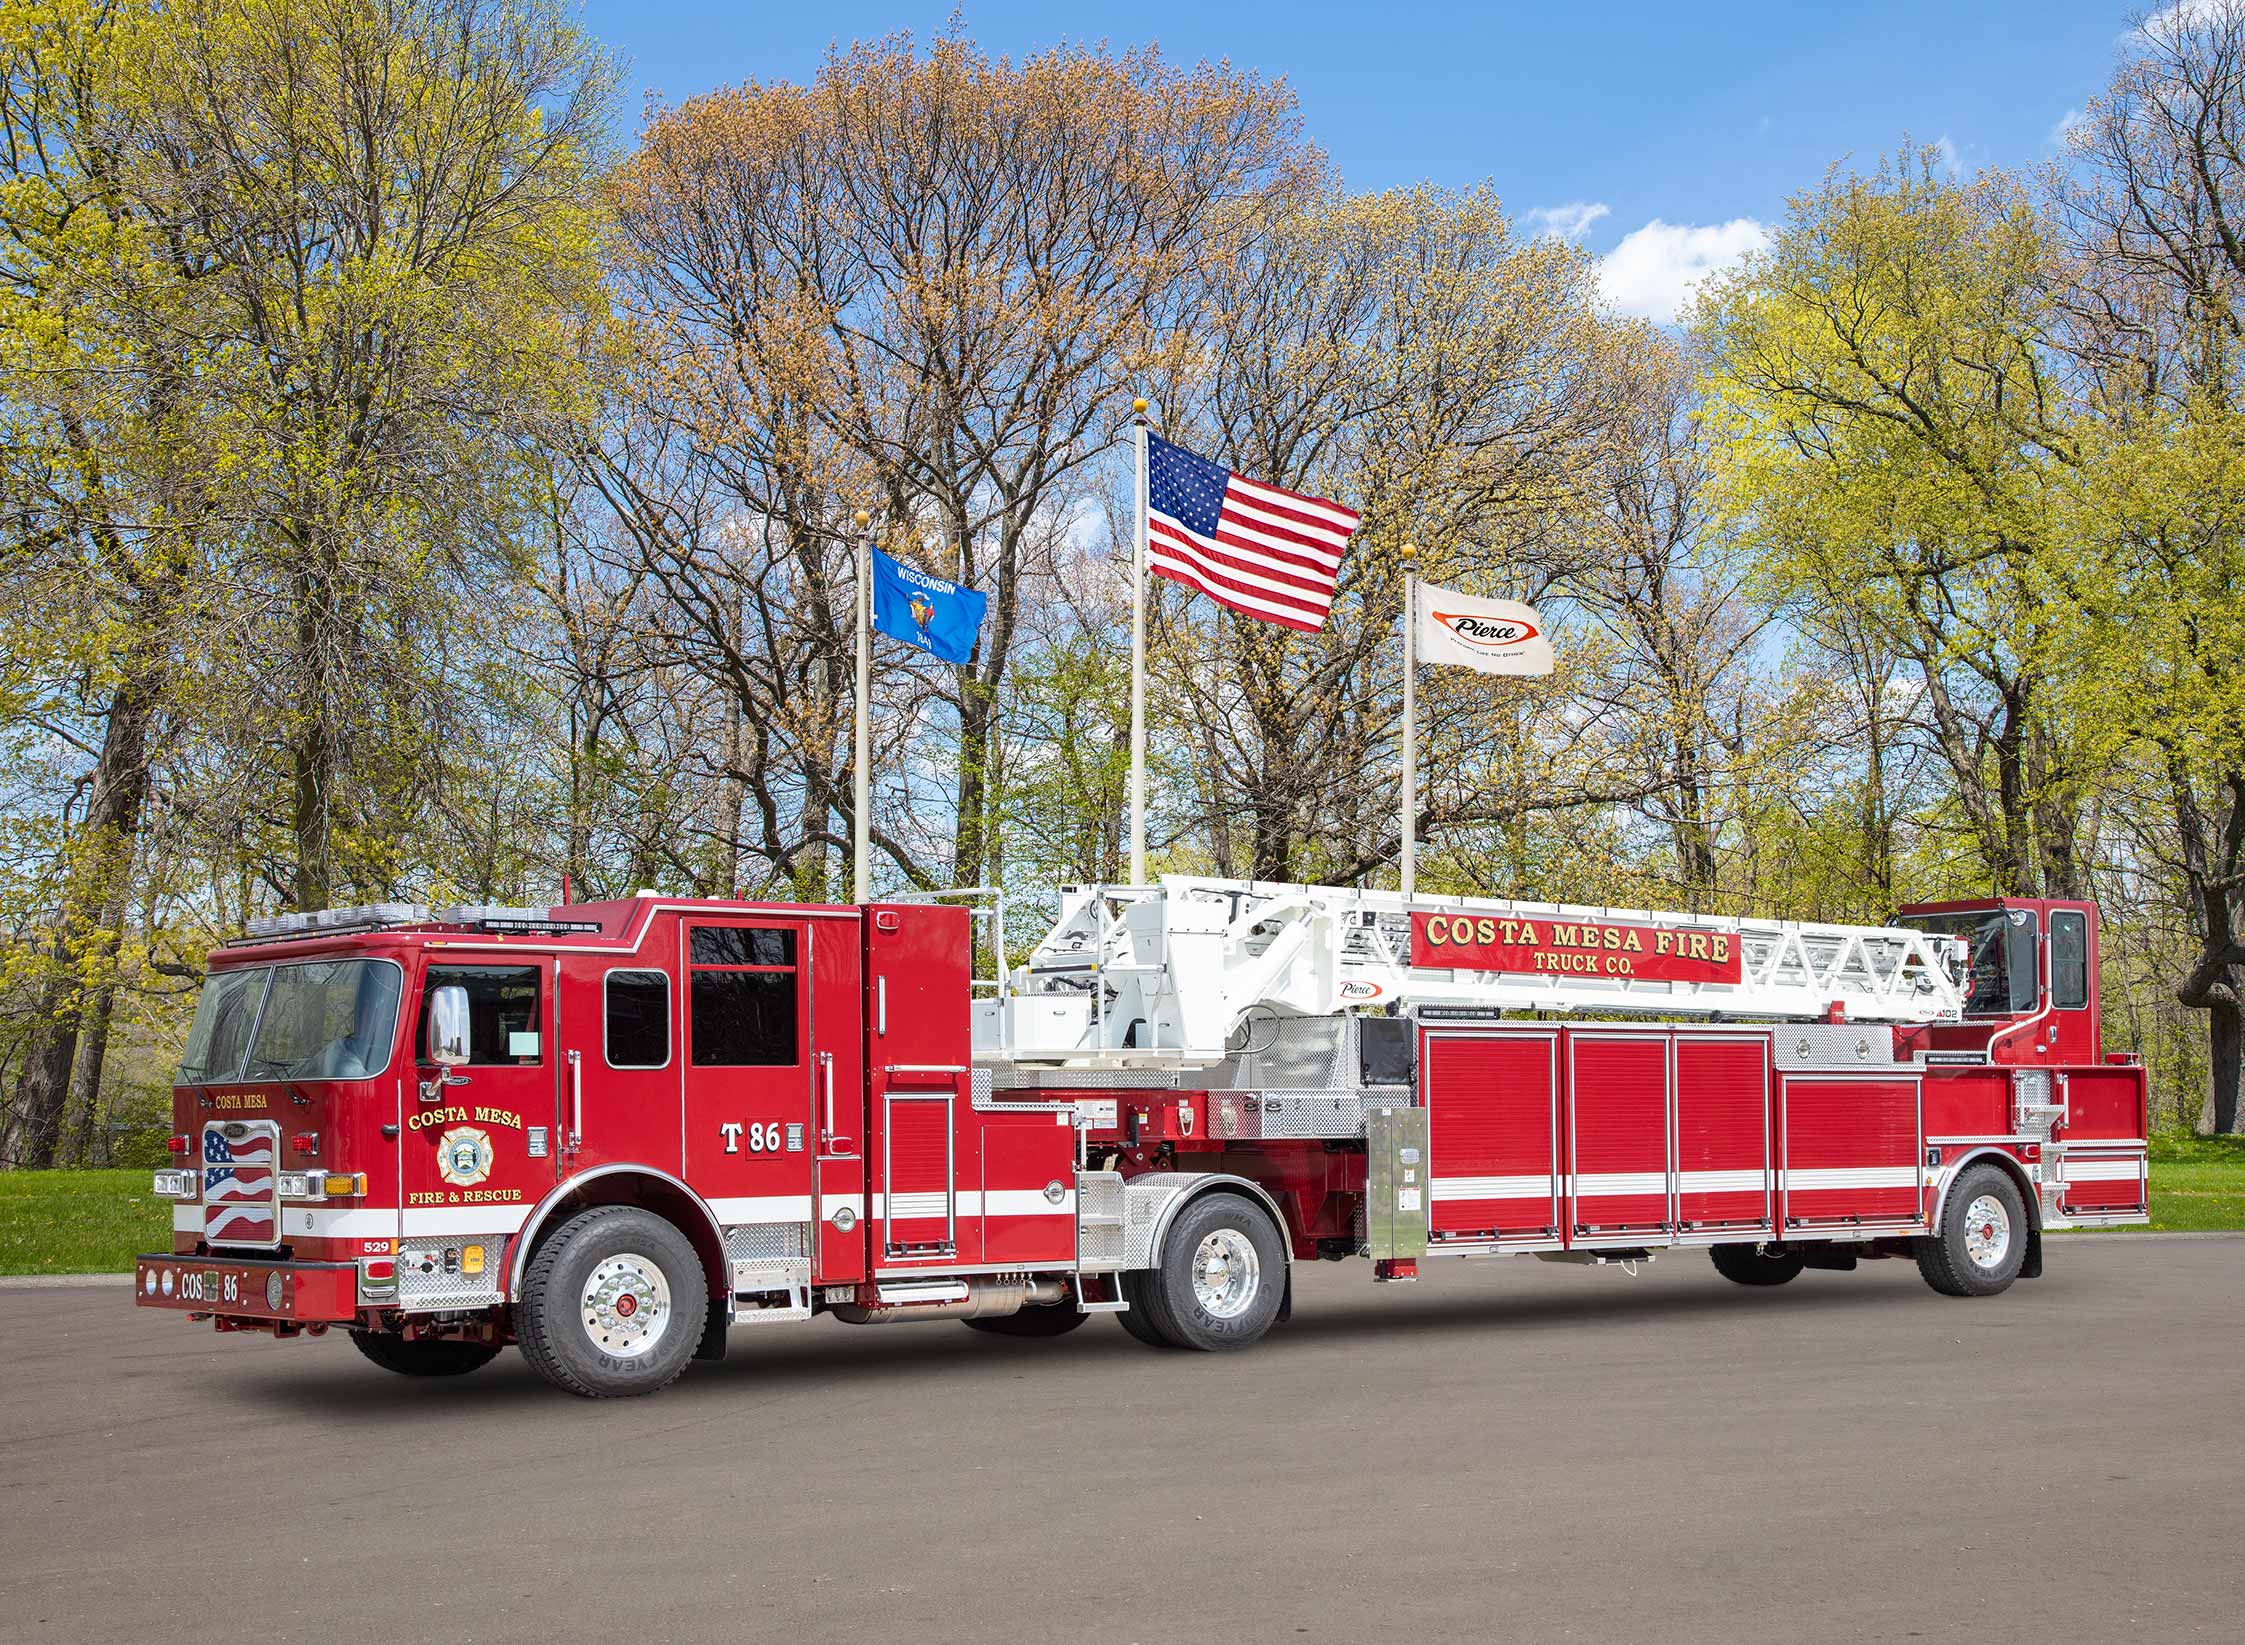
(1895, 429)
(392, 205)
(917, 284)
(105, 467)
(1409, 354)
(2150, 207)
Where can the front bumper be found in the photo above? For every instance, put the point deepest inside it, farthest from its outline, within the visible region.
(247, 1289)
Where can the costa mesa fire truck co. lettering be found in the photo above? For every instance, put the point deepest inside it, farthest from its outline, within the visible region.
(1482, 942)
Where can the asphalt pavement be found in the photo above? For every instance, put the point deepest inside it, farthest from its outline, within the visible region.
(1508, 1450)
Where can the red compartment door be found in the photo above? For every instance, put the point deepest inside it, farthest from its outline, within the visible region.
(2102, 1183)
(1851, 1150)
(1617, 1097)
(917, 1203)
(1492, 1121)
(1722, 1132)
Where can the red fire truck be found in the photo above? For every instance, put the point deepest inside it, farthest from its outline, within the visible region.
(607, 1133)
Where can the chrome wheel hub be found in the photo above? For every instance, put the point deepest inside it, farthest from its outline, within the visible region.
(626, 1305)
(1987, 1231)
(1226, 1273)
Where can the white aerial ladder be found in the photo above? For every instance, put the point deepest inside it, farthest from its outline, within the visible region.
(1163, 975)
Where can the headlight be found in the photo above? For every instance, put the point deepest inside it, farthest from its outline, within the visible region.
(175, 1184)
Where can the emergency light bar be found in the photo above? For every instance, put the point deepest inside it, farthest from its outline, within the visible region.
(376, 916)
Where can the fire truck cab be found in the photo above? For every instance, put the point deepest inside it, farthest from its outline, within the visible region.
(607, 1133)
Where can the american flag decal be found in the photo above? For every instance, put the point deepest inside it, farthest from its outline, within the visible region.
(1262, 550)
(240, 1205)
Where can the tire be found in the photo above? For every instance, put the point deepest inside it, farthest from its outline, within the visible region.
(613, 1304)
(1054, 1319)
(1746, 1265)
(1982, 1241)
(1135, 1319)
(1221, 1277)
(423, 1359)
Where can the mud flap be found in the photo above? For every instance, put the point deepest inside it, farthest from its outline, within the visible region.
(714, 1329)
(2032, 1267)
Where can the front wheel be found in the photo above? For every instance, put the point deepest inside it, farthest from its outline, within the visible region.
(613, 1304)
(1982, 1242)
(428, 1358)
(1221, 1277)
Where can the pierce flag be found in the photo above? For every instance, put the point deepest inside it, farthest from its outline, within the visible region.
(930, 613)
(1494, 636)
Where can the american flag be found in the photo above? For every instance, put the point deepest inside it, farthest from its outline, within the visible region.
(1260, 549)
(238, 1200)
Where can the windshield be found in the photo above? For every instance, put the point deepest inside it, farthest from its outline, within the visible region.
(323, 1020)
(2002, 942)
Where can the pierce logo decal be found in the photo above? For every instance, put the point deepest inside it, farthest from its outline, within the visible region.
(1485, 633)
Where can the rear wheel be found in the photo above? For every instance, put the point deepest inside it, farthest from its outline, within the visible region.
(613, 1304)
(1982, 1241)
(1221, 1277)
(1055, 1319)
(1749, 1265)
(423, 1359)
(1137, 1319)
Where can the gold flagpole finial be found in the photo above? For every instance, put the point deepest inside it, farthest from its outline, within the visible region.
(862, 518)
(1410, 551)
(1138, 408)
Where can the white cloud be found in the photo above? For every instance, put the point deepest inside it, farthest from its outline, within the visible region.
(2171, 20)
(2061, 134)
(1946, 147)
(1653, 270)
(1568, 222)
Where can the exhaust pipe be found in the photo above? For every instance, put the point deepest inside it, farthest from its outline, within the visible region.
(977, 1298)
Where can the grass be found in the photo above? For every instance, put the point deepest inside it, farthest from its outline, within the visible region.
(91, 1222)
(78, 1222)
(2197, 1182)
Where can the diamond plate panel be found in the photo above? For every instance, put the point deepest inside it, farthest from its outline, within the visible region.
(1102, 1221)
(425, 1287)
(1083, 1079)
(1299, 1113)
(765, 1241)
(768, 1256)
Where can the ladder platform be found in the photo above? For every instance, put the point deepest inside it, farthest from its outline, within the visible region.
(1148, 976)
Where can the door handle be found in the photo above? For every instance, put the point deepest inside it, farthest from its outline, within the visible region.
(880, 1005)
(826, 1071)
(576, 1099)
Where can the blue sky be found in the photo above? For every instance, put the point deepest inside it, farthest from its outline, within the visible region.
(1700, 119)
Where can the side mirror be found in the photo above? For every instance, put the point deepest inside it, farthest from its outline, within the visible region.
(448, 1026)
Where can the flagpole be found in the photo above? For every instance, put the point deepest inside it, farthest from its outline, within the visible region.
(861, 877)
(1138, 657)
(1410, 857)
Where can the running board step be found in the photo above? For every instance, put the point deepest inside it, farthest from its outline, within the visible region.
(797, 1306)
(1084, 1305)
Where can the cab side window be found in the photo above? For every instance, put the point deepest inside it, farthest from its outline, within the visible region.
(636, 1018)
(741, 999)
(2069, 961)
(503, 1013)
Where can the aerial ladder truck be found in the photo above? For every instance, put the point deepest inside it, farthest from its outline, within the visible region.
(609, 1133)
